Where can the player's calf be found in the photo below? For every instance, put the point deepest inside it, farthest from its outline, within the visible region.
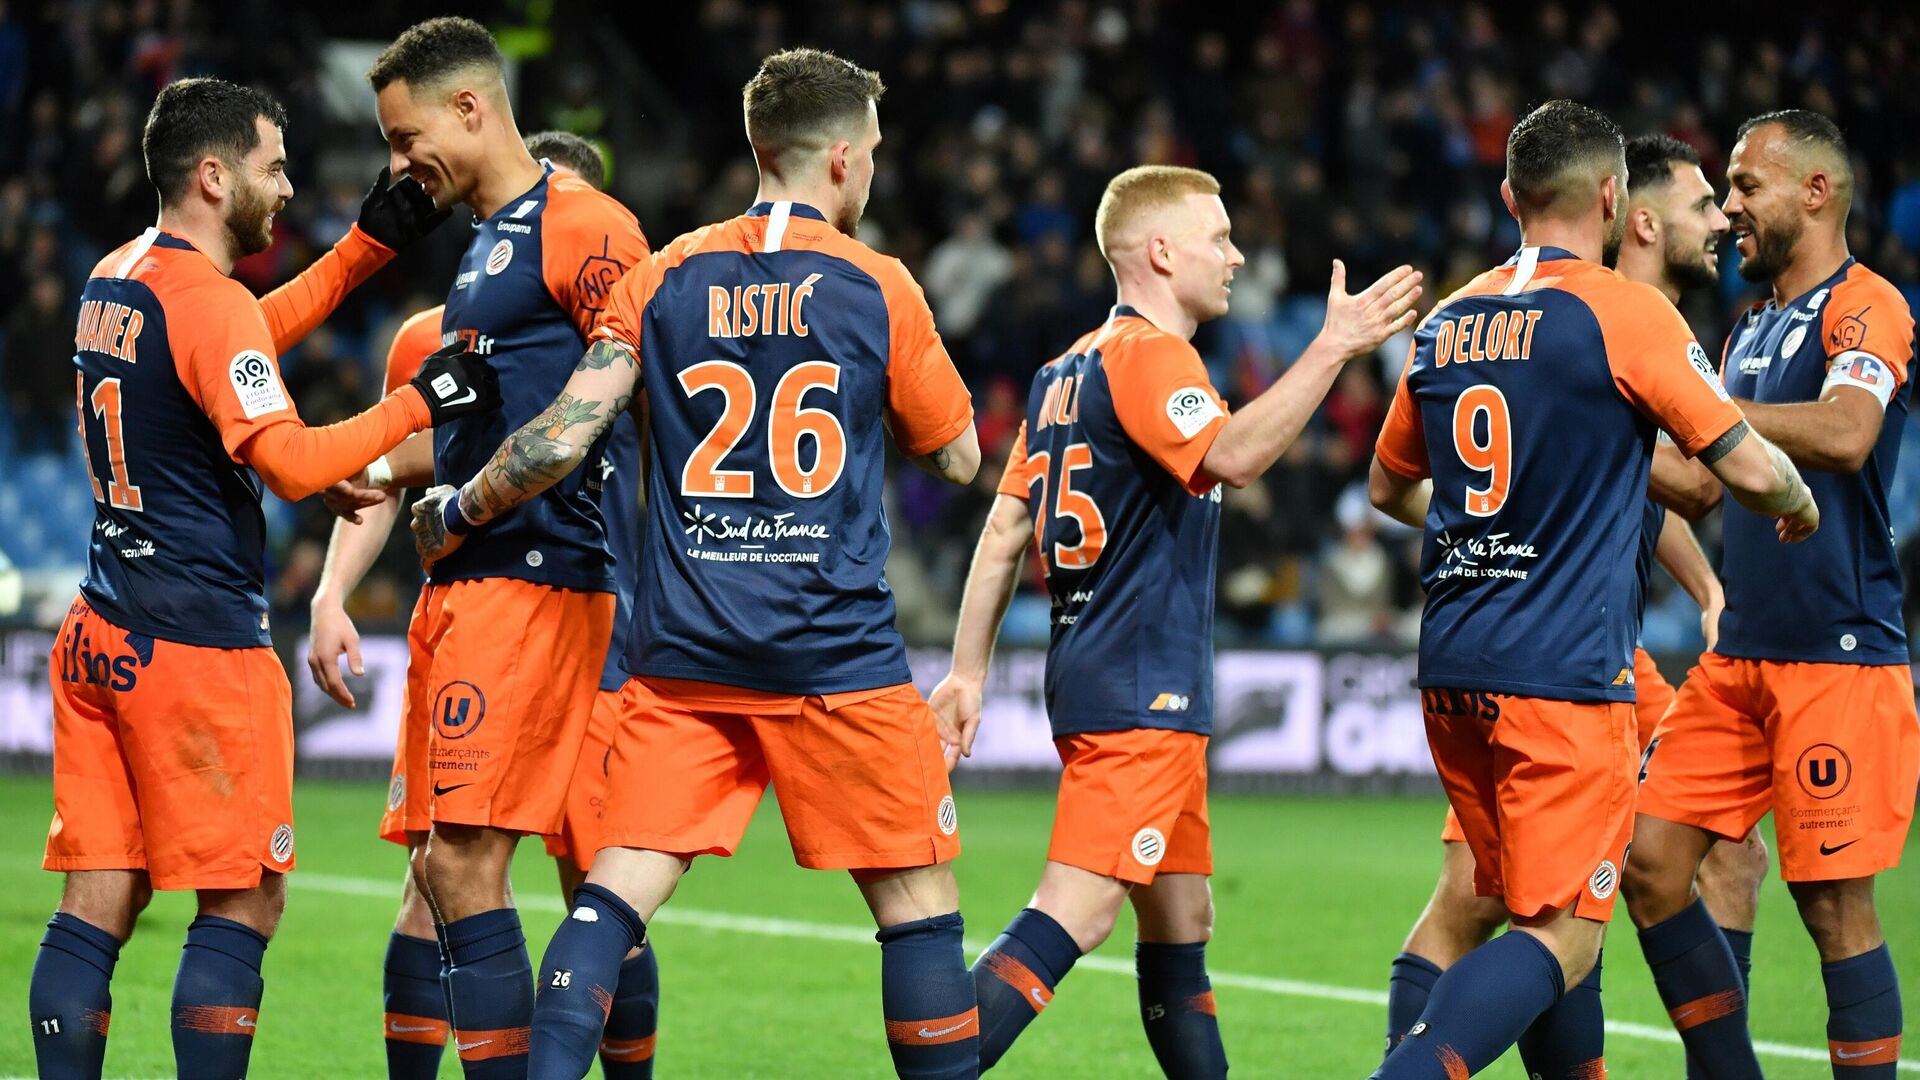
(1864, 1025)
(466, 870)
(1455, 923)
(69, 1000)
(1073, 911)
(413, 994)
(1175, 918)
(216, 992)
(926, 993)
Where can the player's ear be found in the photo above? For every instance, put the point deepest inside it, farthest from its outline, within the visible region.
(1816, 190)
(1506, 196)
(211, 175)
(1159, 253)
(466, 106)
(1610, 198)
(837, 160)
(1644, 225)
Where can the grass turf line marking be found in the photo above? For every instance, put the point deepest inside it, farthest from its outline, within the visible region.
(795, 928)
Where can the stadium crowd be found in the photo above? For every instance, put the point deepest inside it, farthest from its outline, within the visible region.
(1374, 132)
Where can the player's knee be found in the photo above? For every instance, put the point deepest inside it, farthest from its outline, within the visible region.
(1839, 916)
(1655, 889)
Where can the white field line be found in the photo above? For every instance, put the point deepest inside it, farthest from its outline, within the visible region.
(859, 935)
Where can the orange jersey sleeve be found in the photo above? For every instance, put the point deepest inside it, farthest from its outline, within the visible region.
(1165, 402)
(225, 359)
(293, 310)
(1658, 366)
(587, 242)
(417, 339)
(1402, 445)
(1017, 480)
(1866, 324)
(926, 399)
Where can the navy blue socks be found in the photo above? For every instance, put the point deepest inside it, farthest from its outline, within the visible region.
(68, 998)
(1694, 970)
(1015, 978)
(578, 977)
(1478, 1009)
(926, 993)
(1863, 1016)
(1407, 989)
(489, 987)
(1176, 1007)
(216, 998)
(1568, 1041)
(626, 1047)
(415, 1002)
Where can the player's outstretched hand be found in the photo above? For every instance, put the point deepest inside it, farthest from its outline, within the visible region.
(430, 535)
(456, 382)
(398, 214)
(956, 715)
(333, 636)
(1358, 324)
(347, 498)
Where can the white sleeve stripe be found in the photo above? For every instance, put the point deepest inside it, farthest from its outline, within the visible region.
(777, 225)
(139, 249)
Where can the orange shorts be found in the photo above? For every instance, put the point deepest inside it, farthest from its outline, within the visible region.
(169, 758)
(579, 835)
(1133, 804)
(491, 733)
(1832, 749)
(860, 776)
(1653, 694)
(1545, 795)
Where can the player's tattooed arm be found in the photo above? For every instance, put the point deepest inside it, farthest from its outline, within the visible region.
(554, 443)
(1761, 477)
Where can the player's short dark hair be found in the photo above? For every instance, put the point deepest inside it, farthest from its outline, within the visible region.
(427, 52)
(195, 117)
(1801, 125)
(572, 151)
(1556, 143)
(801, 99)
(1650, 160)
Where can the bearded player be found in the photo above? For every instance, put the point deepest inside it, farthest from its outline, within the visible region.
(173, 726)
(1805, 705)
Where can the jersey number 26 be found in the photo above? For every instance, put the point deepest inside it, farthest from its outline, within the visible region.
(788, 422)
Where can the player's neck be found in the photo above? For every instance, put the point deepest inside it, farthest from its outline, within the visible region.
(204, 230)
(1159, 307)
(1580, 238)
(1648, 267)
(509, 172)
(1815, 259)
(820, 196)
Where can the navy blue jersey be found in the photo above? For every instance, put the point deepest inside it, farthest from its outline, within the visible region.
(1834, 598)
(617, 480)
(776, 353)
(1127, 525)
(176, 375)
(1653, 518)
(1531, 399)
(532, 285)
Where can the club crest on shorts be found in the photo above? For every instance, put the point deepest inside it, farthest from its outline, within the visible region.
(281, 846)
(1149, 846)
(397, 791)
(1605, 879)
(947, 817)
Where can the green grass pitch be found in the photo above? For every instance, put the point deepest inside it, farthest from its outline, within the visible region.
(771, 971)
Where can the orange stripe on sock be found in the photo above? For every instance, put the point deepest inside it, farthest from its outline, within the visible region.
(1702, 1010)
(425, 1030)
(483, 1045)
(96, 1021)
(1871, 1052)
(1202, 1003)
(943, 1029)
(1021, 977)
(628, 1049)
(217, 1019)
(1589, 1070)
(1451, 1061)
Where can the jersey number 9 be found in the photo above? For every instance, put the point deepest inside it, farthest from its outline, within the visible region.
(1493, 455)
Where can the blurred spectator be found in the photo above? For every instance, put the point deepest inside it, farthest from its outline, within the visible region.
(38, 367)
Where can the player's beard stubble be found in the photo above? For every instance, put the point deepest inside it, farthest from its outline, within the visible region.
(1616, 235)
(248, 229)
(1687, 264)
(1773, 245)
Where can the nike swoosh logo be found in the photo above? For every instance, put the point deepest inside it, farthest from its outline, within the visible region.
(400, 1029)
(1039, 996)
(472, 395)
(440, 789)
(1684, 1013)
(925, 1034)
(458, 1045)
(1825, 850)
(1868, 1052)
(621, 1052)
(244, 1022)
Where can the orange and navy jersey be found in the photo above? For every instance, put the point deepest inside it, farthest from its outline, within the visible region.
(533, 284)
(617, 478)
(1835, 598)
(1531, 398)
(1127, 524)
(776, 354)
(176, 373)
